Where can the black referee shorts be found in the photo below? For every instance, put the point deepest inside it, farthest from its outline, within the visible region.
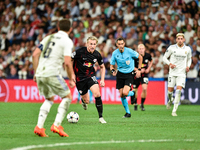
(123, 79)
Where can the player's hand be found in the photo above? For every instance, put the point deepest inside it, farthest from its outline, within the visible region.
(114, 73)
(102, 83)
(34, 78)
(146, 70)
(138, 74)
(187, 69)
(71, 83)
(172, 66)
(142, 70)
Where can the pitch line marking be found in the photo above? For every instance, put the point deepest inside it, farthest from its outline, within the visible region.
(98, 142)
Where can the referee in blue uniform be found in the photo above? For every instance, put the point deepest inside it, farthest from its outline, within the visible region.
(124, 58)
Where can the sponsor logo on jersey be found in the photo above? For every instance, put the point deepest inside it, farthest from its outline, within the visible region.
(128, 62)
(143, 65)
(88, 64)
(4, 91)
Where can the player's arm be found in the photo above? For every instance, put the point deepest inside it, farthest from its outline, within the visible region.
(138, 73)
(112, 65)
(70, 72)
(165, 59)
(149, 66)
(36, 56)
(112, 69)
(102, 72)
(189, 61)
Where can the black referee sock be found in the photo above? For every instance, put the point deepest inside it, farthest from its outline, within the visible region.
(132, 99)
(99, 106)
(135, 100)
(142, 101)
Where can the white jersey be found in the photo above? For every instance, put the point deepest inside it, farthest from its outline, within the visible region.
(179, 56)
(54, 47)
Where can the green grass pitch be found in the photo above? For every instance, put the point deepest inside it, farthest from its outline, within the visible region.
(153, 129)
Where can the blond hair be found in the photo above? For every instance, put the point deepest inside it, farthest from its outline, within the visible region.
(140, 45)
(180, 34)
(92, 38)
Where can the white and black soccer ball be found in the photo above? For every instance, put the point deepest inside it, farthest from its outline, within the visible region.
(72, 117)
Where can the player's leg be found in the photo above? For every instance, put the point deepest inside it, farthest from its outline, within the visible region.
(98, 101)
(135, 99)
(85, 100)
(59, 87)
(180, 82)
(83, 91)
(171, 84)
(144, 82)
(44, 90)
(94, 87)
(123, 94)
(91, 97)
(143, 95)
(136, 83)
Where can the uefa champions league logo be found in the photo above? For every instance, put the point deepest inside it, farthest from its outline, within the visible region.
(4, 91)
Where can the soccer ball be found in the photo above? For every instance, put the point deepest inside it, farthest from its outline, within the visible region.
(72, 117)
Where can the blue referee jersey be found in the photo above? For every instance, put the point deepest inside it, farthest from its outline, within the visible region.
(125, 60)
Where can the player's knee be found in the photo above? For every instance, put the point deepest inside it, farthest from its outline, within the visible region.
(144, 90)
(86, 101)
(68, 96)
(97, 94)
(125, 93)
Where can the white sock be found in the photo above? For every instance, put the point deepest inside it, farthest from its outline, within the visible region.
(62, 111)
(177, 100)
(170, 95)
(44, 110)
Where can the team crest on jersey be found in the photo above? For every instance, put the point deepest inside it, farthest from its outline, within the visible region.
(185, 52)
(95, 60)
(146, 60)
(73, 54)
(128, 62)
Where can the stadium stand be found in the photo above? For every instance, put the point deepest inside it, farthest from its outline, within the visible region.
(23, 24)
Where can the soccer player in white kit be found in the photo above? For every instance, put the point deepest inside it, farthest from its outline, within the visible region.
(48, 58)
(179, 63)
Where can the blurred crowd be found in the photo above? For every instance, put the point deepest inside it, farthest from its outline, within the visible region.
(24, 23)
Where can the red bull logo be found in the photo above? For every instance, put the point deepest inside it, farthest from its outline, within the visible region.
(88, 64)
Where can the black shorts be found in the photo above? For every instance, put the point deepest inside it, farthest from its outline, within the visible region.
(124, 79)
(84, 86)
(142, 80)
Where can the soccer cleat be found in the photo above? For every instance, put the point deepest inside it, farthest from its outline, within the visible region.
(59, 130)
(142, 108)
(101, 120)
(40, 132)
(135, 107)
(174, 114)
(127, 115)
(169, 104)
(84, 105)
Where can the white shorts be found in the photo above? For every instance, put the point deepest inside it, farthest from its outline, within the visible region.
(176, 80)
(50, 86)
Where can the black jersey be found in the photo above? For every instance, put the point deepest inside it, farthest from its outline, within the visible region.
(146, 59)
(84, 63)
